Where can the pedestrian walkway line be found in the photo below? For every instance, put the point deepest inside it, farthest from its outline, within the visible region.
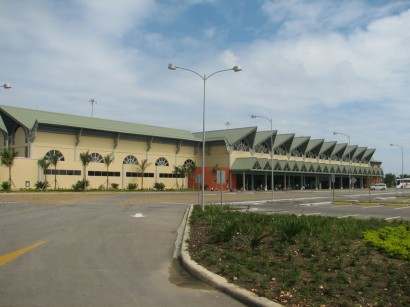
(13, 255)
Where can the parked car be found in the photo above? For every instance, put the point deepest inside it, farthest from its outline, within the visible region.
(378, 186)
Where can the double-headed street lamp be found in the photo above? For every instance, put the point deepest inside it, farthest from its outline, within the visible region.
(271, 151)
(92, 101)
(7, 86)
(204, 78)
(402, 173)
(350, 160)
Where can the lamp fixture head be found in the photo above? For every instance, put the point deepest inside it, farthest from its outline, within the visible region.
(253, 116)
(172, 66)
(237, 68)
(7, 86)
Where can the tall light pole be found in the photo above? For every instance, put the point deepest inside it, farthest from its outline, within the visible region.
(92, 101)
(350, 161)
(204, 78)
(7, 86)
(402, 172)
(271, 151)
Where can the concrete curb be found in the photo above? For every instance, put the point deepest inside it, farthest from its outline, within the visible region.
(247, 297)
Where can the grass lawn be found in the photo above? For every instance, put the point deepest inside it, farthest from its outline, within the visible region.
(302, 260)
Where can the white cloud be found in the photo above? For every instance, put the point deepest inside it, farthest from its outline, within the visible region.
(322, 67)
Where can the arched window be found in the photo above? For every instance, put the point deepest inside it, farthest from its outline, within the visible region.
(55, 152)
(189, 163)
(96, 157)
(130, 160)
(162, 162)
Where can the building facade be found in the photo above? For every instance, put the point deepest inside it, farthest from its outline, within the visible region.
(242, 155)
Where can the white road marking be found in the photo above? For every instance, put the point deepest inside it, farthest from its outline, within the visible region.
(401, 208)
(138, 215)
(393, 218)
(346, 216)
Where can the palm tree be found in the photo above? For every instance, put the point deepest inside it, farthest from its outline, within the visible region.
(108, 159)
(177, 171)
(44, 164)
(54, 158)
(85, 158)
(183, 170)
(141, 168)
(7, 160)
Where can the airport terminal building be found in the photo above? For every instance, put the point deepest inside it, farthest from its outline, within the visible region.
(243, 155)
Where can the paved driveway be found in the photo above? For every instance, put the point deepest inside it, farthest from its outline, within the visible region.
(95, 252)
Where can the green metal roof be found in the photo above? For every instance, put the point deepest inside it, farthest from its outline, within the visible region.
(28, 119)
(339, 148)
(241, 164)
(231, 136)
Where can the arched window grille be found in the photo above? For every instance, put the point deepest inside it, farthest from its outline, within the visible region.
(280, 151)
(242, 145)
(310, 154)
(162, 162)
(262, 148)
(189, 163)
(297, 153)
(53, 152)
(97, 158)
(130, 160)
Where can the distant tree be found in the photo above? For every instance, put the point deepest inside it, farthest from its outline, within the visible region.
(85, 158)
(141, 168)
(390, 180)
(7, 159)
(108, 159)
(44, 164)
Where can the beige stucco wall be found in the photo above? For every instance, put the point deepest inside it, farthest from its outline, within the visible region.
(25, 171)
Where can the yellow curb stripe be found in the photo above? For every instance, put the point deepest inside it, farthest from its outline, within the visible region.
(13, 255)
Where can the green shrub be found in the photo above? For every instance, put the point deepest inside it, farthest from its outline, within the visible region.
(41, 185)
(159, 186)
(5, 185)
(114, 186)
(80, 185)
(394, 241)
(132, 186)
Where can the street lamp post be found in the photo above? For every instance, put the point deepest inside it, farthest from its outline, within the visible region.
(6, 86)
(271, 151)
(204, 78)
(402, 172)
(350, 161)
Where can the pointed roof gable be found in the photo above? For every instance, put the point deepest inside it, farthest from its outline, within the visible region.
(327, 148)
(314, 145)
(283, 139)
(264, 136)
(300, 142)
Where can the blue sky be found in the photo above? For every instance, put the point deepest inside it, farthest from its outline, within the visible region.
(314, 67)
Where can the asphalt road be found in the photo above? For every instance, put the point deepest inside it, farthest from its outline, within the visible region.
(116, 249)
(96, 253)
